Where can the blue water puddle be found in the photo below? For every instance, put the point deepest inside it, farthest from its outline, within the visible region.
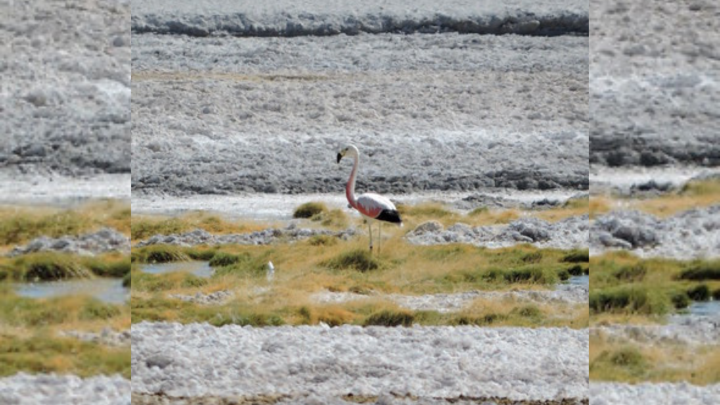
(579, 280)
(200, 269)
(706, 308)
(109, 290)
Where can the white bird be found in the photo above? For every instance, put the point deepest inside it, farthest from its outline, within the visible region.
(270, 271)
(372, 206)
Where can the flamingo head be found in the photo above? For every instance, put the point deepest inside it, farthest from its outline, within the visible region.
(349, 150)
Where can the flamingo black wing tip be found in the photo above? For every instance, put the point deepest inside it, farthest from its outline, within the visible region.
(390, 216)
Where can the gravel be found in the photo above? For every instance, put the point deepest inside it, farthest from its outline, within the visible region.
(303, 18)
(50, 389)
(654, 394)
(102, 241)
(569, 233)
(655, 83)
(65, 99)
(198, 360)
(687, 235)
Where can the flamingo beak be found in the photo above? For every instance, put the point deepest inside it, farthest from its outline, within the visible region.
(339, 157)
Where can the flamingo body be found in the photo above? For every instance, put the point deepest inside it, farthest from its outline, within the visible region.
(372, 206)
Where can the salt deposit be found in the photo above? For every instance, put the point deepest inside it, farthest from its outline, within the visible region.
(50, 389)
(197, 360)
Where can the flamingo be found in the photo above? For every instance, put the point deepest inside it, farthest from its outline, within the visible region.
(372, 206)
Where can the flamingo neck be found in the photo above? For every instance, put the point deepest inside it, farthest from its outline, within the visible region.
(350, 188)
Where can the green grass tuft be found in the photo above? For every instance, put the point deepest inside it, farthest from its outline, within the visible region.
(702, 271)
(533, 274)
(390, 318)
(46, 354)
(96, 309)
(532, 257)
(309, 210)
(49, 266)
(680, 300)
(18, 229)
(104, 268)
(632, 273)
(140, 229)
(629, 299)
(158, 254)
(699, 293)
(484, 320)
(221, 259)
(322, 240)
(203, 255)
(577, 256)
(360, 260)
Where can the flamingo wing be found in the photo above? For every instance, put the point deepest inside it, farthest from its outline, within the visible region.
(378, 207)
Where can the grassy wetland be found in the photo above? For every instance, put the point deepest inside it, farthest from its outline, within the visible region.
(77, 333)
(643, 324)
(335, 281)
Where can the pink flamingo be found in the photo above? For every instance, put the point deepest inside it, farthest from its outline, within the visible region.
(372, 206)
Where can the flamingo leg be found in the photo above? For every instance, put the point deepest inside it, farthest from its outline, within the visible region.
(370, 229)
(379, 236)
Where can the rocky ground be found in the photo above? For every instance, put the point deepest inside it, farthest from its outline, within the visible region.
(654, 81)
(424, 362)
(102, 241)
(566, 234)
(24, 389)
(306, 18)
(65, 100)
(685, 236)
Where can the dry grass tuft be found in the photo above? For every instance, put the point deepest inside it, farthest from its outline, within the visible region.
(144, 227)
(21, 224)
(624, 361)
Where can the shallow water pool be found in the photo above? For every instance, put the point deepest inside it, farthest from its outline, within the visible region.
(704, 308)
(579, 280)
(108, 290)
(198, 268)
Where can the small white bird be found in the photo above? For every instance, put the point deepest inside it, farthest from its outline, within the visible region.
(270, 272)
